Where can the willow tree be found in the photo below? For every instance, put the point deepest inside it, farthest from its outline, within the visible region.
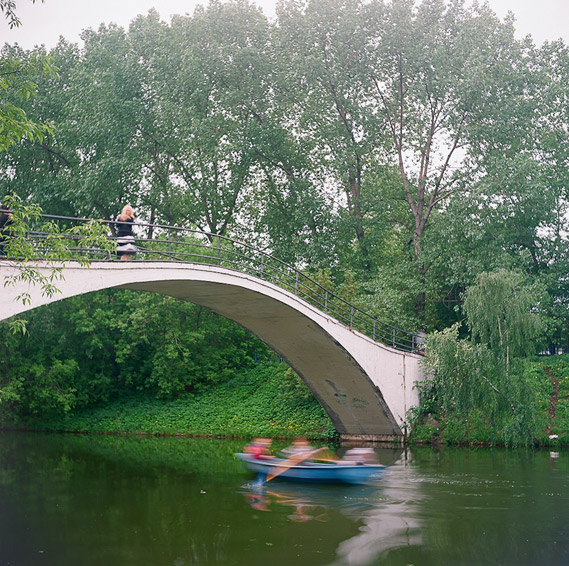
(500, 310)
(472, 377)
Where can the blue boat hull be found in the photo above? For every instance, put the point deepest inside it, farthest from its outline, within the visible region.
(314, 472)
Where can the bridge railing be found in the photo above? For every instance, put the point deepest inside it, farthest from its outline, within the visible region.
(172, 243)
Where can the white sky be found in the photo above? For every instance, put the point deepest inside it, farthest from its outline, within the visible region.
(544, 20)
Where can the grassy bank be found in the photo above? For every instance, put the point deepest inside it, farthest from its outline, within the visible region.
(272, 401)
(545, 411)
(267, 401)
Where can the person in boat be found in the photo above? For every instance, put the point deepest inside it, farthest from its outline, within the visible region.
(259, 448)
(125, 238)
(360, 456)
(299, 447)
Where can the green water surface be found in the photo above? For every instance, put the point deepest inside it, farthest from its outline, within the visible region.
(101, 500)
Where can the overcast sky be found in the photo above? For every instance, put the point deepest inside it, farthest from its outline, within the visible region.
(44, 23)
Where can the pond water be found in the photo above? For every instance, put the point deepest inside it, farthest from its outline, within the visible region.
(100, 500)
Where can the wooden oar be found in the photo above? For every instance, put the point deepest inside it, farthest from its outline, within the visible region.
(329, 457)
(292, 461)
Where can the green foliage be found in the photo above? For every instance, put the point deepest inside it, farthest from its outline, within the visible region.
(471, 381)
(543, 414)
(393, 150)
(8, 9)
(551, 376)
(18, 73)
(293, 389)
(54, 249)
(285, 135)
(390, 295)
(457, 367)
(499, 312)
(87, 350)
(53, 388)
(257, 402)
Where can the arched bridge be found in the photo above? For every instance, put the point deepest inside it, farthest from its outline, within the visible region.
(365, 385)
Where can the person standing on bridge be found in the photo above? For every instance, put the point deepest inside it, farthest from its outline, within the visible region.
(125, 238)
(5, 218)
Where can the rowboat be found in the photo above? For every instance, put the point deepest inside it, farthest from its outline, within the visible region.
(312, 472)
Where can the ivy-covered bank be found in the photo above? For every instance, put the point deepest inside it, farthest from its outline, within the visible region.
(269, 400)
(272, 401)
(532, 408)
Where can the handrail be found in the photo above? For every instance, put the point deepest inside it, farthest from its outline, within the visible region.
(175, 243)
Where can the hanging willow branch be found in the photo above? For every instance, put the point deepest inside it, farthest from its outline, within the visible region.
(512, 407)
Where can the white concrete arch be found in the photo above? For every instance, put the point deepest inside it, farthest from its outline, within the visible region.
(365, 387)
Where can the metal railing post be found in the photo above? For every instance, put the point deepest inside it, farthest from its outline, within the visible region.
(218, 250)
(351, 317)
(169, 243)
(296, 285)
(262, 264)
(326, 302)
(374, 328)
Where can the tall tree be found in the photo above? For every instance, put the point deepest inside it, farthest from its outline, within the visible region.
(18, 75)
(46, 171)
(440, 76)
(207, 107)
(323, 45)
(19, 72)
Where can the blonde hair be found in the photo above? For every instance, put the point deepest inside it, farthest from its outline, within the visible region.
(127, 212)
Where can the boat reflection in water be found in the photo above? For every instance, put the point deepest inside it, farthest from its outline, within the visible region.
(304, 505)
(310, 502)
(387, 509)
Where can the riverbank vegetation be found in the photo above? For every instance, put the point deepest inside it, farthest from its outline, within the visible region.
(411, 156)
(127, 362)
(269, 400)
(531, 408)
(478, 385)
